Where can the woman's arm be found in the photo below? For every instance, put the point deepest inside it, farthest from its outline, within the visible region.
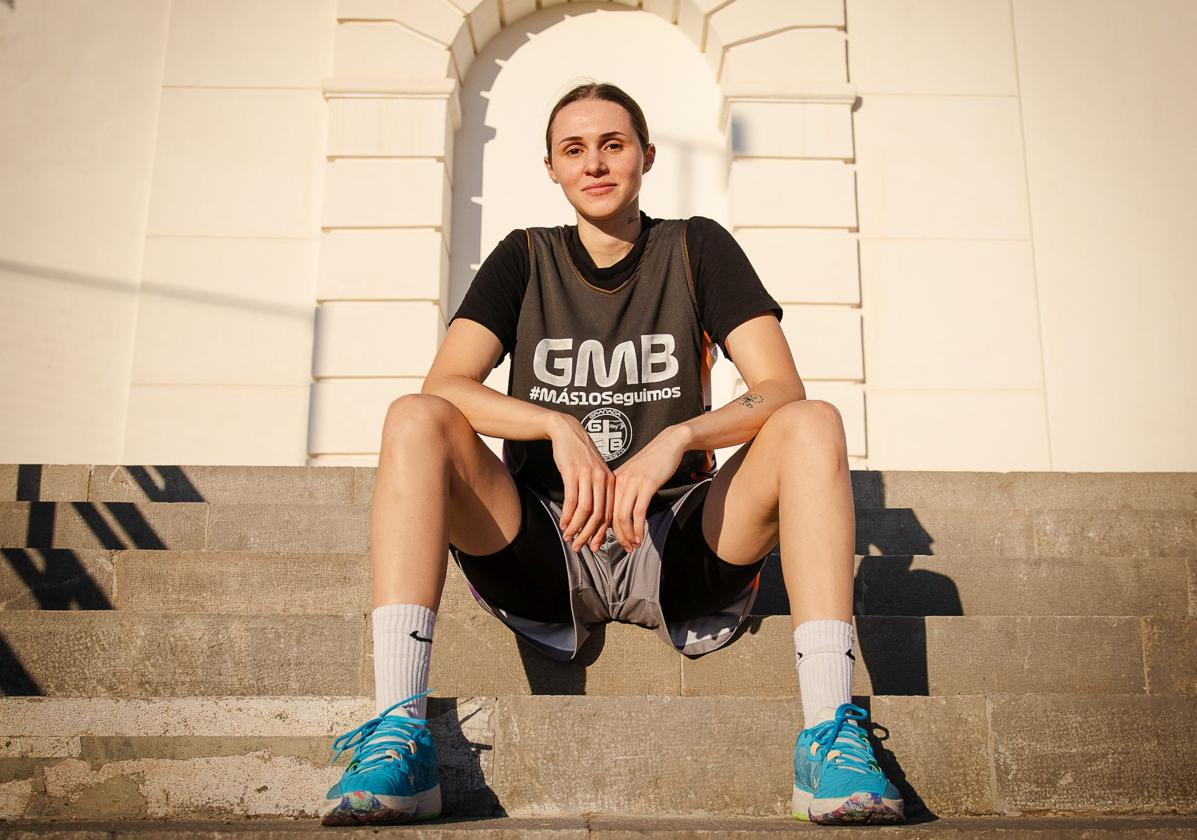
(765, 361)
(465, 357)
(468, 353)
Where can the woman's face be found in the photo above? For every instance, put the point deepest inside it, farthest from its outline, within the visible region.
(593, 143)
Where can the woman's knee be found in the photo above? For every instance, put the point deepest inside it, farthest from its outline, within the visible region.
(421, 419)
(808, 423)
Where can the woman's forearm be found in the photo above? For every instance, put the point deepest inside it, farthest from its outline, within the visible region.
(491, 413)
(740, 420)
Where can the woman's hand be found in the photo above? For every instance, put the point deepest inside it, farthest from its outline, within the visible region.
(588, 481)
(637, 481)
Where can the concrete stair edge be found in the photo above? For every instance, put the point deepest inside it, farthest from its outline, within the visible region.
(557, 756)
(600, 827)
(126, 653)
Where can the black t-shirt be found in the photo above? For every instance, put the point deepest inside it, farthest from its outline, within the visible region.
(727, 287)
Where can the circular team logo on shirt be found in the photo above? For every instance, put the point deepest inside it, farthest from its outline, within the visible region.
(610, 430)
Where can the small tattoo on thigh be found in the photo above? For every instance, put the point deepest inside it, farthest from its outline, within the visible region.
(749, 400)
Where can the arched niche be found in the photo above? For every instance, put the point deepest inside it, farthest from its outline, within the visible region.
(391, 271)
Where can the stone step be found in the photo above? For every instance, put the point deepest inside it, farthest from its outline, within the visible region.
(228, 758)
(344, 528)
(600, 827)
(911, 489)
(126, 653)
(271, 583)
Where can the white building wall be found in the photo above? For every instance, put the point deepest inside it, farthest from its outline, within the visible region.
(223, 348)
(79, 91)
(216, 211)
(1110, 119)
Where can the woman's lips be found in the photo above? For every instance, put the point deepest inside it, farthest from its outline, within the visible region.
(603, 190)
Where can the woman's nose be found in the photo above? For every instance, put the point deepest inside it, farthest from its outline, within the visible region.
(594, 163)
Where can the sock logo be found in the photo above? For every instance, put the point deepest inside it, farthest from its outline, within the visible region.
(415, 635)
(847, 653)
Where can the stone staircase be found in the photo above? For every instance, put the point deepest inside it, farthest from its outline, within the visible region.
(183, 643)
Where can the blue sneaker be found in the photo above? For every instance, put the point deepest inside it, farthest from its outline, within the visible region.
(392, 777)
(837, 780)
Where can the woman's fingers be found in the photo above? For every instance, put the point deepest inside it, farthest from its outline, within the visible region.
(608, 506)
(639, 512)
(582, 511)
(570, 486)
(598, 495)
(625, 497)
(602, 504)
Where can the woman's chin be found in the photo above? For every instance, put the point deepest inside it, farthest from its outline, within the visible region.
(598, 210)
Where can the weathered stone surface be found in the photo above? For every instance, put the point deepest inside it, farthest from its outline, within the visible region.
(446, 828)
(963, 585)
(258, 583)
(935, 749)
(647, 755)
(987, 533)
(242, 582)
(959, 584)
(246, 582)
(475, 650)
(1127, 533)
(917, 490)
(725, 755)
(1170, 655)
(1089, 655)
(42, 717)
(973, 828)
(43, 482)
(1191, 565)
(102, 525)
(363, 485)
(940, 655)
(56, 579)
(223, 484)
(307, 528)
(151, 770)
(51, 746)
(1108, 754)
(1035, 533)
(131, 654)
(600, 827)
(957, 490)
(909, 489)
(1104, 491)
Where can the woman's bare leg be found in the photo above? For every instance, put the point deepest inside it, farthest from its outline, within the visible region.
(436, 482)
(791, 482)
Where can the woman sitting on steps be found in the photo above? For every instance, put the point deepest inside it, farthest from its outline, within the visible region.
(607, 504)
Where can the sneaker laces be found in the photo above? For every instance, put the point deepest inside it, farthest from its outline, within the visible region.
(396, 739)
(844, 741)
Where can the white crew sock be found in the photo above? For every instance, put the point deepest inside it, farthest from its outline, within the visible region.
(400, 658)
(823, 657)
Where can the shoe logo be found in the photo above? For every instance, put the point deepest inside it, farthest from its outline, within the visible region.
(415, 635)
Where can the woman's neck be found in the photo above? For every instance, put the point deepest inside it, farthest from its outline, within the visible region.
(609, 240)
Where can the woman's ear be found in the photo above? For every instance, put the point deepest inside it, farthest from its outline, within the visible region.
(549, 168)
(650, 155)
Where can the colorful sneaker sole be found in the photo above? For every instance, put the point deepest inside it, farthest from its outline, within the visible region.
(857, 809)
(361, 807)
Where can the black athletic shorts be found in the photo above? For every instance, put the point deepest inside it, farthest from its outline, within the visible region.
(528, 577)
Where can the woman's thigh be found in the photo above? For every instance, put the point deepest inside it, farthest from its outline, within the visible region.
(528, 577)
(483, 508)
(695, 581)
